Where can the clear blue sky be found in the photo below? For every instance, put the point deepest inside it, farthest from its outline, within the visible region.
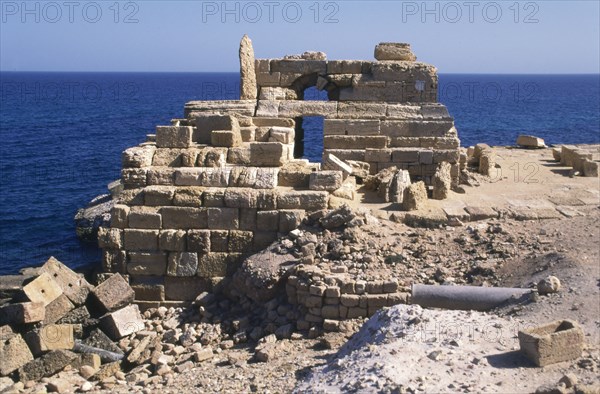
(458, 37)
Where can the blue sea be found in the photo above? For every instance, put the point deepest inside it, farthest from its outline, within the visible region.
(62, 135)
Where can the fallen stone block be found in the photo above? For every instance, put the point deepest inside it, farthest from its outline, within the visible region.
(43, 289)
(22, 313)
(98, 339)
(122, 322)
(46, 366)
(332, 163)
(590, 168)
(113, 293)
(415, 196)
(442, 181)
(14, 353)
(481, 213)
(561, 340)
(50, 337)
(529, 141)
(430, 218)
(325, 180)
(57, 309)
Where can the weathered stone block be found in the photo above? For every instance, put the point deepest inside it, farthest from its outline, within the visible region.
(403, 155)
(58, 309)
(47, 365)
(248, 219)
(149, 292)
(122, 322)
(239, 155)
(332, 163)
(298, 66)
(590, 168)
(43, 289)
(529, 141)
(133, 177)
(223, 218)
(113, 293)
(295, 108)
(290, 219)
(240, 241)
(226, 138)
(214, 197)
(268, 154)
(22, 313)
(285, 135)
(267, 220)
(147, 263)
(73, 285)
(219, 240)
(138, 240)
(303, 199)
(182, 264)
(173, 136)
(361, 110)
(351, 127)
(378, 155)
(138, 156)
(442, 182)
(394, 51)
(354, 142)
(185, 288)
(205, 124)
(144, 219)
(243, 177)
(247, 133)
(325, 180)
(240, 198)
(157, 195)
(198, 241)
(118, 216)
(110, 238)
(167, 157)
(114, 261)
(561, 340)
(172, 240)
(183, 217)
(415, 196)
(344, 66)
(50, 337)
(14, 354)
(160, 176)
(347, 154)
(189, 157)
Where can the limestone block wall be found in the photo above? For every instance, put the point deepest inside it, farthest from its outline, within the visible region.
(200, 195)
(222, 182)
(393, 77)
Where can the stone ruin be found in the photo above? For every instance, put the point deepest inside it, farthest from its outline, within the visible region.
(226, 180)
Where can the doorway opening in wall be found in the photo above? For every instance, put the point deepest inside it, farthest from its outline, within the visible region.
(309, 130)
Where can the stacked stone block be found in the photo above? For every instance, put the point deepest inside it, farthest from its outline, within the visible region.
(323, 296)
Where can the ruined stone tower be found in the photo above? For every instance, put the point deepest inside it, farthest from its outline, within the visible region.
(223, 181)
